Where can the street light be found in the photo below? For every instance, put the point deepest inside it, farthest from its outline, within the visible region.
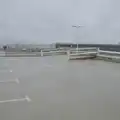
(77, 27)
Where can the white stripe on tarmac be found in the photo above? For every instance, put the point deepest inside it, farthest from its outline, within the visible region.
(6, 71)
(17, 81)
(17, 100)
(11, 81)
(27, 98)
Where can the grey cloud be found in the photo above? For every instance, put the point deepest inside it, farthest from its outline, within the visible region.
(46, 21)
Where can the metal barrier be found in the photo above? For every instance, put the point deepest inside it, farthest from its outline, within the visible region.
(45, 52)
(2, 54)
(22, 54)
(49, 53)
(108, 55)
(95, 53)
(75, 50)
(82, 53)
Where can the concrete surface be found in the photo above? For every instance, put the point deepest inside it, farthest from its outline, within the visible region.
(59, 89)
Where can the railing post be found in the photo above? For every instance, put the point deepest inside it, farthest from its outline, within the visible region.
(41, 53)
(98, 49)
(68, 53)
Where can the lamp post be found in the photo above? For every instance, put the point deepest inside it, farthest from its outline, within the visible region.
(77, 27)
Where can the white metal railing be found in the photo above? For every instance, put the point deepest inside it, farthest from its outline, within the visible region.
(82, 53)
(45, 52)
(83, 49)
(57, 52)
(2, 53)
(72, 53)
(22, 54)
(95, 53)
(90, 48)
(108, 54)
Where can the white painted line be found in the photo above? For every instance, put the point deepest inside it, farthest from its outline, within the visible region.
(9, 81)
(17, 100)
(17, 81)
(5, 71)
(13, 100)
(27, 98)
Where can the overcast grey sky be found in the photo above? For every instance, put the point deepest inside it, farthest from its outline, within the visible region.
(46, 21)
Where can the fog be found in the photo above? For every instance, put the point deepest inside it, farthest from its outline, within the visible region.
(49, 21)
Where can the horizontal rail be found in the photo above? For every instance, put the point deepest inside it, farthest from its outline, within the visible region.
(83, 53)
(97, 53)
(92, 48)
(108, 56)
(109, 52)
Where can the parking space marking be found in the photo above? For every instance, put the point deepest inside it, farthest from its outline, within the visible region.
(17, 80)
(1, 71)
(27, 98)
(17, 100)
(9, 81)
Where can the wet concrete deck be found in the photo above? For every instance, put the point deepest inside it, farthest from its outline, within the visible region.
(59, 89)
